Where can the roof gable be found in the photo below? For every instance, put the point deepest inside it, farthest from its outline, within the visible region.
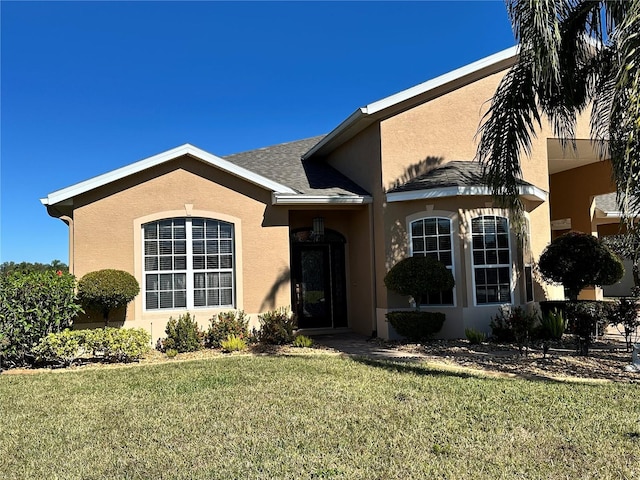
(68, 193)
(409, 98)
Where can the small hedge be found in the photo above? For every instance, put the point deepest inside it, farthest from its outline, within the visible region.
(416, 325)
(276, 327)
(183, 335)
(108, 344)
(225, 324)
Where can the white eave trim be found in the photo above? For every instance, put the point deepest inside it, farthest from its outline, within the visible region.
(530, 192)
(300, 199)
(608, 214)
(409, 93)
(186, 149)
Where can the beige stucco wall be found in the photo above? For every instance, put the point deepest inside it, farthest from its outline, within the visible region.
(439, 131)
(107, 234)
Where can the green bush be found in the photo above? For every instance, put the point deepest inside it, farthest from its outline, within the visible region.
(171, 353)
(276, 327)
(624, 314)
(62, 347)
(586, 319)
(32, 305)
(416, 276)
(110, 344)
(578, 260)
(120, 344)
(302, 341)
(233, 343)
(514, 324)
(553, 325)
(107, 290)
(225, 324)
(416, 325)
(501, 327)
(183, 334)
(475, 337)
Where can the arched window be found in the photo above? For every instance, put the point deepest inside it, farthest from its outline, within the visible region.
(432, 237)
(188, 263)
(491, 256)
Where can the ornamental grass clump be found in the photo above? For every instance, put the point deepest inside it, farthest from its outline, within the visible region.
(302, 341)
(475, 337)
(233, 343)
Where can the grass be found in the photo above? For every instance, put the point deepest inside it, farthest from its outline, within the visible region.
(311, 417)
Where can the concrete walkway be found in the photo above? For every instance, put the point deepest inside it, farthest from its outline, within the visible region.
(354, 344)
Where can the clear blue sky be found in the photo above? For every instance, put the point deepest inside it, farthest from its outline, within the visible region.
(87, 87)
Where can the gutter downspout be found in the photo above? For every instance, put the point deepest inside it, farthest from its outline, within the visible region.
(374, 298)
(69, 221)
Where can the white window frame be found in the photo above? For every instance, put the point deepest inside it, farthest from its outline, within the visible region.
(489, 266)
(452, 227)
(190, 270)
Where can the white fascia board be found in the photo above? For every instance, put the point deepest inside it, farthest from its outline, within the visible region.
(530, 192)
(441, 80)
(186, 149)
(606, 214)
(350, 120)
(300, 199)
(409, 93)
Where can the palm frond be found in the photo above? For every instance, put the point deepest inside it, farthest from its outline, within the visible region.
(507, 129)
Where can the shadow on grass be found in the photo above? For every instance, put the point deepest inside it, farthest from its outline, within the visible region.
(417, 367)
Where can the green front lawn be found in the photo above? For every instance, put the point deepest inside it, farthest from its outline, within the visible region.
(307, 417)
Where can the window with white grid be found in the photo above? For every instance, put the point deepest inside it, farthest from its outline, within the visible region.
(491, 256)
(188, 263)
(432, 237)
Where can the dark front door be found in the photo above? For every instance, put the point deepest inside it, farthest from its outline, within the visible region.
(318, 283)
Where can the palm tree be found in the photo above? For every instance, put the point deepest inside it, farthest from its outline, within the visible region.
(572, 54)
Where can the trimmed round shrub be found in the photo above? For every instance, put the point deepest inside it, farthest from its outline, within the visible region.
(578, 260)
(416, 276)
(107, 290)
(416, 325)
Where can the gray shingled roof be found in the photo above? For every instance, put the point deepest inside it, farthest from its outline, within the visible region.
(282, 163)
(459, 173)
(607, 202)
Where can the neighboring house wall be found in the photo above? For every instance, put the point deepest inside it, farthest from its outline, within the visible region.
(572, 192)
(107, 231)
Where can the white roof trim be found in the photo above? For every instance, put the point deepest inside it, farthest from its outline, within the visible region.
(280, 199)
(409, 93)
(186, 149)
(608, 214)
(530, 192)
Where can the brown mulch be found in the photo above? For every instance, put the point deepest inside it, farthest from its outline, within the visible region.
(606, 360)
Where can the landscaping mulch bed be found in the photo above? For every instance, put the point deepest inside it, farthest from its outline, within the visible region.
(606, 360)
